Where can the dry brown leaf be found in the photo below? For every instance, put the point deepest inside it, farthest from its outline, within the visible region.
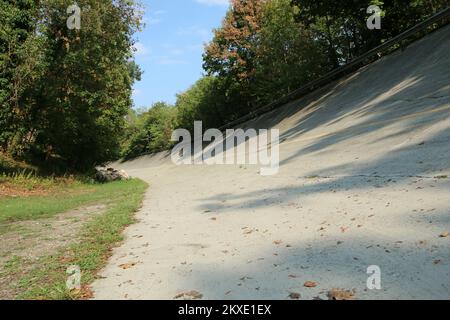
(340, 294)
(310, 284)
(126, 266)
(444, 235)
(189, 295)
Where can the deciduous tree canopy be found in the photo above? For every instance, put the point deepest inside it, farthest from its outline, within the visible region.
(65, 92)
(65, 95)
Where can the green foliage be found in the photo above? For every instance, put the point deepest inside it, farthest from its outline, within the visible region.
(83, 119)
(9, 165)
(287, 55)
(19, 60)
(65, 95)
(232, 54)
(259, 54)
(150, 131)
(203, 101)
(340, 27)
(70, 90)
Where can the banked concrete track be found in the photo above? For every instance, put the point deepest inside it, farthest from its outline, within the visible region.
(364, 180)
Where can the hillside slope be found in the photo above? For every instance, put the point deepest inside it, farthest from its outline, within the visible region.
(364, 180)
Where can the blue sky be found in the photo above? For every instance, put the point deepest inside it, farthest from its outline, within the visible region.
(169, 49)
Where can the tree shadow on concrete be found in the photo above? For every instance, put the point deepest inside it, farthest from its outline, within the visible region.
(404, 163)
(409, 270)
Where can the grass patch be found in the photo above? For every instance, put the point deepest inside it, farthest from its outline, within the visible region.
(46, 278)
(63, 196)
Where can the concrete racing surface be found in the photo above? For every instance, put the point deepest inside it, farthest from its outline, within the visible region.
(364, 180)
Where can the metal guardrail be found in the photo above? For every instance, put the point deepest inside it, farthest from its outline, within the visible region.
(336, 73)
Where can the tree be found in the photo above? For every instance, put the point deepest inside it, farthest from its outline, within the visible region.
(153, 131)
(287, 55)
(205, 102)
(20, 67)
(82, 104)
(231, 54)
(340, 27)
(261, 53)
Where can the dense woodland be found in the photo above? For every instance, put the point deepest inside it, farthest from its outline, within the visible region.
(65, 95)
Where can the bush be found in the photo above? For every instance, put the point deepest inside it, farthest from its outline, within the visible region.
(151, 131)
(204, 101)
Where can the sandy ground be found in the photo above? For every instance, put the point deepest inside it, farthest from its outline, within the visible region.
(363, 181)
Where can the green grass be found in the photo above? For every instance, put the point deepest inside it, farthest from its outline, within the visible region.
(46, 279)
(61, 199)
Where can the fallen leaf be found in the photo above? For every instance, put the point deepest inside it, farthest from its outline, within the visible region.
(343, 229)
(340, 294)
(310, 284)
(278, 242)
(86, 293)
(189, 295)
(295, 296)
(445, 235)
(126, 266)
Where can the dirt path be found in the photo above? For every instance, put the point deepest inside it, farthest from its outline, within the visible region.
(24, 243)
(364, 180)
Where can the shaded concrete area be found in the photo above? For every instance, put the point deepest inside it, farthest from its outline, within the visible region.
(364, 180)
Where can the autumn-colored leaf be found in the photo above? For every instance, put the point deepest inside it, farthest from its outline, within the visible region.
(126, 266)
(340, 294)
(310, 284)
